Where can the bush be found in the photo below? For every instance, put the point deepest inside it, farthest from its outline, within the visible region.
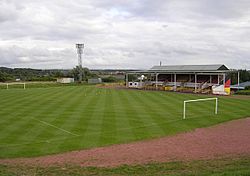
(247, 88)
(110, 79)
(243, 92)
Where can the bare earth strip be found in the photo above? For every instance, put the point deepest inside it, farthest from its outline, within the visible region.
(227, 139)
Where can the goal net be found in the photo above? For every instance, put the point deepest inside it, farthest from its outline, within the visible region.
(200, 100)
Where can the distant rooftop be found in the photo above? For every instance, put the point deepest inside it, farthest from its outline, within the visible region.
(241, 85)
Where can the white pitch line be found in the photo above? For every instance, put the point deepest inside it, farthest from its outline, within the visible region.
(46, 123)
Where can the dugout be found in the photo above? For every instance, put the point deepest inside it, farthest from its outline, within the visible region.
(186, 78)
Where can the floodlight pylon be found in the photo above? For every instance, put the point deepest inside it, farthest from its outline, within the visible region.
(79, 48)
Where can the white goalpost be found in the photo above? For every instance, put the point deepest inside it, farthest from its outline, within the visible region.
(8, 84)
(204, 99)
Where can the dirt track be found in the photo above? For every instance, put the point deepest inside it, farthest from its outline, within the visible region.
(228, 139)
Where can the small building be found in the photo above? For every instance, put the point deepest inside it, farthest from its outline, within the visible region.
(95, 81)
(65, 80)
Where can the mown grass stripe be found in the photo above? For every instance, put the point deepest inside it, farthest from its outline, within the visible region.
(131, 103)
(109, 129)
(102, 117)
(92, 135)
(149, 115)
(20, 108)
(70, 120)
(36, 131)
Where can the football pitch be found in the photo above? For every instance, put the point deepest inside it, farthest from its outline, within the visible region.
(41, 121)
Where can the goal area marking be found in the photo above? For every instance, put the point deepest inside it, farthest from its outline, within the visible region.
(204, 99)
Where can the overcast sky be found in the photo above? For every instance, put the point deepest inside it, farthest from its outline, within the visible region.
(124, 33)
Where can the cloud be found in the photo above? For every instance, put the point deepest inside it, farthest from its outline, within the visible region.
(16, 55)
(124, 34)
(8, 11)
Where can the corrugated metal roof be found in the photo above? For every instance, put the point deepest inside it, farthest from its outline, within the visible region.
(189, 68)
(244, 84)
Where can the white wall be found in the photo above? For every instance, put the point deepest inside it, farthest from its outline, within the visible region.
(65, 80)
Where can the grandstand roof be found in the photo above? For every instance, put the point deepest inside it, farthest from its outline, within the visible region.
(216, 68)
(190, 68)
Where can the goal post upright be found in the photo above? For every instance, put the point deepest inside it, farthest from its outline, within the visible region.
(195, 100)
(216, 106)
(184, 110)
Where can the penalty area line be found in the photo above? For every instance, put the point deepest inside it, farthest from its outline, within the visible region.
(46, 123)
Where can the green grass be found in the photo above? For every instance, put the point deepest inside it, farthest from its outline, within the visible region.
(218, 167)
(41, 121)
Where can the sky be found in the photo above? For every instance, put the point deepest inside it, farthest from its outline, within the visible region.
(124, 34)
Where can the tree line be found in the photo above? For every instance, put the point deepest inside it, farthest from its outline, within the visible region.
(27, 74)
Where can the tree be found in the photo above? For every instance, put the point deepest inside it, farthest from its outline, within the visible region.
(58, 74)
(79, 72)
(5, 77)
(244, 76)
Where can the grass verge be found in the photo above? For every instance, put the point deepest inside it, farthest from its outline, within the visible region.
(218, 167)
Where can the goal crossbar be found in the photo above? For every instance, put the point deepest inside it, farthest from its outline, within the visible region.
(203, 99)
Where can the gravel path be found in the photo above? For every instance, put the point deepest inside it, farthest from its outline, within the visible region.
(227, 139)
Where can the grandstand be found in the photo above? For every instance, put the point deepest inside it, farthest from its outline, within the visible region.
(186, 78)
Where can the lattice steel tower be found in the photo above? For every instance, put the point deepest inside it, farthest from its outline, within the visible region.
(79, 48)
